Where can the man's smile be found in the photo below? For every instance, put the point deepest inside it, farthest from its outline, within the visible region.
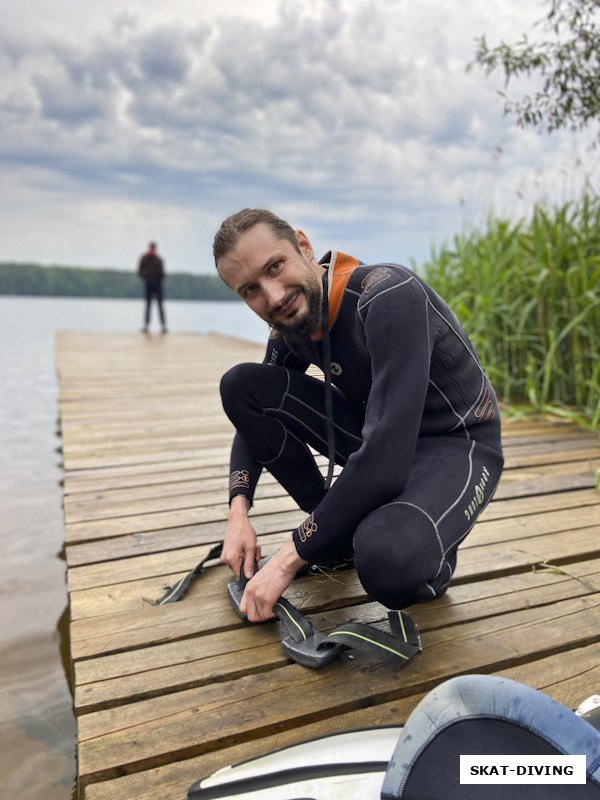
(289, 307)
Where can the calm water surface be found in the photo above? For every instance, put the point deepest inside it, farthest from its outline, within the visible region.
(37, 729)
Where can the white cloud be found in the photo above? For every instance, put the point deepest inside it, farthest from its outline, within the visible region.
(356, 119)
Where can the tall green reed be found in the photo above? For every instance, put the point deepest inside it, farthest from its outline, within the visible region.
(528, 294)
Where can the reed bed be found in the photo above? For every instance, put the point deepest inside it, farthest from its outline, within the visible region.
(528, 294)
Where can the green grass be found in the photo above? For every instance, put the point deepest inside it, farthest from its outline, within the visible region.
(528, 294)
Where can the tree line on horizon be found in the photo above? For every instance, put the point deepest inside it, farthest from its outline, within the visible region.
(59, 281)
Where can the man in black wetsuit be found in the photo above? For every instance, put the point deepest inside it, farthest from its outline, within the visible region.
(412, 417)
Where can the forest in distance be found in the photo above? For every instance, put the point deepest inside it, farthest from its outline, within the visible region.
(59, 281)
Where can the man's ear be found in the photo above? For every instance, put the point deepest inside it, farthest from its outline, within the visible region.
(304, 245)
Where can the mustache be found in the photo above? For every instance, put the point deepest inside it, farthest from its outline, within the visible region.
(286, 301)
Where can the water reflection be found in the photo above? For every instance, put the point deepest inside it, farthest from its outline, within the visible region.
(37, 726)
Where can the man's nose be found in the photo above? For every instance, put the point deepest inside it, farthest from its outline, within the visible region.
(275, 294)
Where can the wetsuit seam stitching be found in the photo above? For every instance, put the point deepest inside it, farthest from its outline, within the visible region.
(385, 291)
(306, 427)
(460, 496)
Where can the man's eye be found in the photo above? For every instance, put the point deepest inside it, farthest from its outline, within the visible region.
(249, 292)
(275, 267)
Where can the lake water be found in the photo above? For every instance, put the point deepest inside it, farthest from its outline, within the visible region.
(37, 728)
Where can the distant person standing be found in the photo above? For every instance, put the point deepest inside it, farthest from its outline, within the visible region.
(152, 271)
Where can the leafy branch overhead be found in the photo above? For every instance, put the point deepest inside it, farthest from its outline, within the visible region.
(566, 65)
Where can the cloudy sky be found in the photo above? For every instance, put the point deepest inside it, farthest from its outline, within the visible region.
(126, 120)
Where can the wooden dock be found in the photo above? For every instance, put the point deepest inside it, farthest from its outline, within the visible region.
(165, 695)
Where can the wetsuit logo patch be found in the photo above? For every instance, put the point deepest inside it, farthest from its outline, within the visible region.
(336, 368)
(485, 410)
(374, 278)
(308, 527)
(239, 479)
(479, 495)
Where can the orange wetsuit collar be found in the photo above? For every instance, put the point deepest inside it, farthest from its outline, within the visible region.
(341, 267)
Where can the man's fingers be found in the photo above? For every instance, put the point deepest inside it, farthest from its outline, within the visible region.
(235, 562)
(250, 606)
(249, 564)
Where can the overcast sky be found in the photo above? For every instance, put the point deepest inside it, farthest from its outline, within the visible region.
(129, 120)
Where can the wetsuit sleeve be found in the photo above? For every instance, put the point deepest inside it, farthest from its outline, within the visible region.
(399, 341)
(244, 469)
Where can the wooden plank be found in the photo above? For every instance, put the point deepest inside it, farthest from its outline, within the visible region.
(146, 625)
(104, 502)
(177, 497)
(164, 540)
(178, 517)
(110, 680)
(546, 453)
(188, 494)
(162, 568)
(165, 571)
(148, 474)
(164, 537)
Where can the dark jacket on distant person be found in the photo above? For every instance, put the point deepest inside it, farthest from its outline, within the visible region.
(151, 267)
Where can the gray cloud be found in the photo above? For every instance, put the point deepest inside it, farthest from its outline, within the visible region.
(351, 115)
(312, 85)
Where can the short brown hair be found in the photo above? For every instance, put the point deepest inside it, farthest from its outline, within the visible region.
(234, 226)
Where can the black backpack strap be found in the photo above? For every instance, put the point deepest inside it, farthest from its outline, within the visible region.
(176, 592)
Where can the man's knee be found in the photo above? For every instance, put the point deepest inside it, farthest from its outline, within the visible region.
(237, 382)
(398, 557)
(248, 389)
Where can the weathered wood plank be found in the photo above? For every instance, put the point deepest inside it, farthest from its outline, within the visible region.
(146, 542)
(147, 474)
(173, 496)
(522, 482)
(545, 454)
(110, 680)
(149, 625)
(98, 599)
(197, 515)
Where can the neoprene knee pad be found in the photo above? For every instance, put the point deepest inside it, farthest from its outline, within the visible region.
(235, 382)
(398, 557)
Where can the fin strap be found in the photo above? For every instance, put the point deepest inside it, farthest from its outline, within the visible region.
(396, 647)
(313, 649)
(178, 590)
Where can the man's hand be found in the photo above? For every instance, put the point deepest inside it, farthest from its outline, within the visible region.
(269, 583)
(240, 547)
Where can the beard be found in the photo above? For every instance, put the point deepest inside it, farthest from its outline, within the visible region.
(300, 327)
